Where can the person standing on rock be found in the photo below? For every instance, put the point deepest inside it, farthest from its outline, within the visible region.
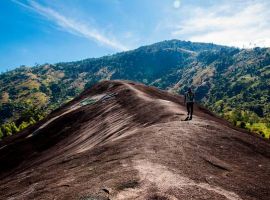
(189, 101)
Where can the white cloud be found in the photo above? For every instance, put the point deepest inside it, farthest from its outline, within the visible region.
(176, 3)
(73, 26)
(248, 25)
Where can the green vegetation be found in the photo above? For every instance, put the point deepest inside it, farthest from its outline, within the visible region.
(28, 117)
(248, 120)
(231, 82)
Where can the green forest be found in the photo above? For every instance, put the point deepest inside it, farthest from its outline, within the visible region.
(233, 83)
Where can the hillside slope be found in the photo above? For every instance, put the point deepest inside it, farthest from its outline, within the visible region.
(126, 140)
(233, 83)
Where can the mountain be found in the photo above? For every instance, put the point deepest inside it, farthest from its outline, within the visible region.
(124, 140)
(232, 82)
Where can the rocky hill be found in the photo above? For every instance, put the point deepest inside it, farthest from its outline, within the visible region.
(124, 140)
(233, 83)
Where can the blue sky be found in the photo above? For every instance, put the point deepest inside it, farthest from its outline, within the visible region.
(66, 30)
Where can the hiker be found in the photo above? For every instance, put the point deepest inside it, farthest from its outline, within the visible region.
(189, 101)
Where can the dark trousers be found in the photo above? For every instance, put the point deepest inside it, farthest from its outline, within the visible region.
(190, 108)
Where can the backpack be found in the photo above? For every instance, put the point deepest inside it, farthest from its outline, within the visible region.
(189, 97)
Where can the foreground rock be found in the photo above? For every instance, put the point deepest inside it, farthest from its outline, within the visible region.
(123, 140)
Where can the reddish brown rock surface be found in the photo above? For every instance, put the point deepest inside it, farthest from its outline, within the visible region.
(123, 140)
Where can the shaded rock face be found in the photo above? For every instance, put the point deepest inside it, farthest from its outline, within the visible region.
(124, 140)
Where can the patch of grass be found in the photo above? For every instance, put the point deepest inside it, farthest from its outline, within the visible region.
(87, 101)
(30, 84)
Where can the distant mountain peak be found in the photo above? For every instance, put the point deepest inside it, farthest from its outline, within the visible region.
(231, 82)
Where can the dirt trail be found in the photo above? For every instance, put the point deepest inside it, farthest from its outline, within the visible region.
(124, 140)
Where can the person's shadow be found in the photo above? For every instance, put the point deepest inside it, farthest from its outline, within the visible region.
(186, 119)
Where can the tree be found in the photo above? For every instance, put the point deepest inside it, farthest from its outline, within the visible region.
(6, 129)
(14, 128)
(32, 121)
(23, 125)
(242, 124)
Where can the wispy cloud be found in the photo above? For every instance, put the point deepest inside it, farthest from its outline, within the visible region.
(246, 24)
(72, 26)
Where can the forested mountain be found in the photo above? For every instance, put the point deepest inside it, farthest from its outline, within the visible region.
(232, 82)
